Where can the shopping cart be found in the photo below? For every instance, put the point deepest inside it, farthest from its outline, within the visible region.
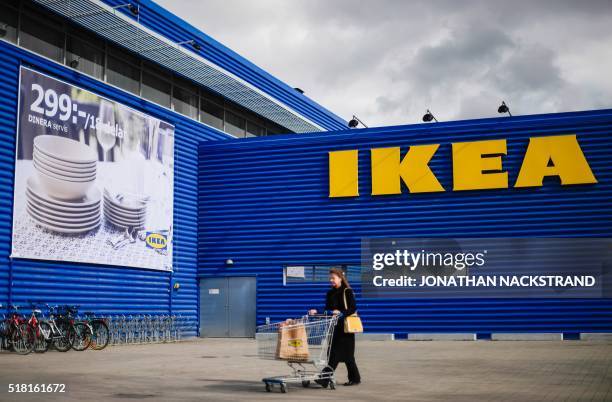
(299, 342)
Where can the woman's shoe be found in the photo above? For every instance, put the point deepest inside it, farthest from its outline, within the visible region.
(352, 383)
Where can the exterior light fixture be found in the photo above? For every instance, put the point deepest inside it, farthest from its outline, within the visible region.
(74, 63)
(191, 42)
(229, 262)
(176, 286)
(135, 10)
(354, 122)
(427, 117)
(503, 108)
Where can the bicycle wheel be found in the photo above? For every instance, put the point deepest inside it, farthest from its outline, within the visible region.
(22, 339)
(63, 342)
(101, 335)
(43, 333)
(82, 336)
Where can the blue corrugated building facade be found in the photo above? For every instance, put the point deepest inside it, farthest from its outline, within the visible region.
(263, 202)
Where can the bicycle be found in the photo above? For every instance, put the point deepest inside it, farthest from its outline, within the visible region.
(100, 332)
(83, 332)
(17, 333)
(40, 341)
(61, 330)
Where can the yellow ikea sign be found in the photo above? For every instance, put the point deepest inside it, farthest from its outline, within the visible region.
(156, 240)
(476, 166)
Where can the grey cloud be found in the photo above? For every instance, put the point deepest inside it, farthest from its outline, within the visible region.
(389, 60)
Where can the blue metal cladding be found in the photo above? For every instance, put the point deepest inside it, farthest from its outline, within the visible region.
(165, 23)
(264, 203)
(100, 288)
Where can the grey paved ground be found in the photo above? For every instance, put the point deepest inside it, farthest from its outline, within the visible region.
(228, 370)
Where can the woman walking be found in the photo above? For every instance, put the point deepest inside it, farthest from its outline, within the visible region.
(340, 299)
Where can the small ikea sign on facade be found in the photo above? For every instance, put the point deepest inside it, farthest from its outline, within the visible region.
(156, 240)
(477, 165)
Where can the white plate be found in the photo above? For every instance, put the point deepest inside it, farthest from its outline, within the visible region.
(57, 169)
(40, 206)
(123, 220)
(130, 206)
(62, 176)
(125, 225)
(67, 222)
(93, 196)
(62, 208)
(63, 227)
(66, 230)
(122, 213)
(65, 149)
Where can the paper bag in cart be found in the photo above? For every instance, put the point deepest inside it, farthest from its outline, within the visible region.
(292, 342)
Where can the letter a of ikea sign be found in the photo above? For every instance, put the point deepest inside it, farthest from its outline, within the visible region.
(476, 166)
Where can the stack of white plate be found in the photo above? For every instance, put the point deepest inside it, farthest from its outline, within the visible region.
(66, 168)
(61, 196)
(125, 211)
(63, 216)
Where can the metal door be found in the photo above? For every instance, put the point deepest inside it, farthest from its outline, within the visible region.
(227, 307)
(213, 307)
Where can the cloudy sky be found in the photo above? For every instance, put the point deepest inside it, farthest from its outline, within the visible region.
(389, 60)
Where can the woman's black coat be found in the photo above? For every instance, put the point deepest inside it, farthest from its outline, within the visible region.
(343, 344)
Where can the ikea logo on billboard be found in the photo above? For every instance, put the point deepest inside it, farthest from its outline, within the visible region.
(156, 240)
(476, 165)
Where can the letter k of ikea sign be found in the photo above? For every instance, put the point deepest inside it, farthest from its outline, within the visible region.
(476, 166)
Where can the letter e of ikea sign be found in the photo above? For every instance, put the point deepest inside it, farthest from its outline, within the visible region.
(477, 165)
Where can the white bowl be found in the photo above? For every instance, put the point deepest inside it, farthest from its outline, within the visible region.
(72, 168)
(62, 163)
(65, 149)
(63, 189)
(60, 172)
(90, 201)
(48, 172)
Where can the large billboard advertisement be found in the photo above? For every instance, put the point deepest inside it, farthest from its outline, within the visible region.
(93, 178)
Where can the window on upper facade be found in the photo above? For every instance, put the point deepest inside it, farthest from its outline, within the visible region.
(123, 71)
(234, 124)
(211, 113)
(85, 55)
(254, 130)
(41, 38)
(8, 22)
(156, 86)
(185, 98)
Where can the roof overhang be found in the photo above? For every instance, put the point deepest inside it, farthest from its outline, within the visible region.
(112, 24)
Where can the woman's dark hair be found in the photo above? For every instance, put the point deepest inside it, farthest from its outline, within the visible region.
(339, 272)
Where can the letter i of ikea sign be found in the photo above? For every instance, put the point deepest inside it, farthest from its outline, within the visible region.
(476, 166)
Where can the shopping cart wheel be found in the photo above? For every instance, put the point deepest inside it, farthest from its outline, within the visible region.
(305, 383)
(268, 387)
(283, 387)
(332, 385)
